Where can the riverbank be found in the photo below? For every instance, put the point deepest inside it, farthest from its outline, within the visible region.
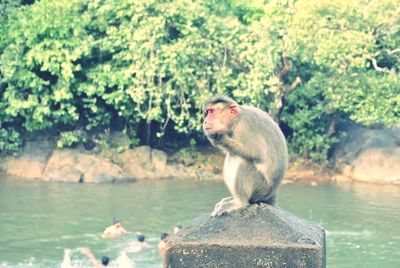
(41, 160)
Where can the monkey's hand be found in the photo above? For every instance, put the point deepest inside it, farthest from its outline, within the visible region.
(226, 205)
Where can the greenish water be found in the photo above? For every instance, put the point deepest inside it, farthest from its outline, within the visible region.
(39, 221)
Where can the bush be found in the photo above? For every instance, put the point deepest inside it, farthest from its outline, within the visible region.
(10, 141)
(147, 67)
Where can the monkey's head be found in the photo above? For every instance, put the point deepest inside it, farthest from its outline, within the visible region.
(220, 114)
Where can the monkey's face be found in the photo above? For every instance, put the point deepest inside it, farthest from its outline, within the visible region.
(218, 119)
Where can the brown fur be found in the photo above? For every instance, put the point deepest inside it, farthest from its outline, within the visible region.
(256, 152)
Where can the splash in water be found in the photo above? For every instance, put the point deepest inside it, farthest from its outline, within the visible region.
(123, 261)
(72, 261)
(67, 259)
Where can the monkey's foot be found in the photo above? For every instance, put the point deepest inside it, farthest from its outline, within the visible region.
(226, 205)
(223, 202)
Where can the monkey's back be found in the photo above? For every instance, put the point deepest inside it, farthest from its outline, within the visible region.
(273, 147)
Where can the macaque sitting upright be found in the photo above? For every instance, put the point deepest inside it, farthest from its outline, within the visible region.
(256, 153)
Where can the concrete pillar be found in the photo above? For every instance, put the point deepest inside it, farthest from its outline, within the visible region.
(257, 236)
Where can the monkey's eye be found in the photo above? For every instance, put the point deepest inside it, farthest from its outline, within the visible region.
(210, 111)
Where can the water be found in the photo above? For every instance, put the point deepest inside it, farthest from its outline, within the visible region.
(44, 224)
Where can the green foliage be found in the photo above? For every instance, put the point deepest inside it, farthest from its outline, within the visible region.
(70, 138)
(368, 97)
(245, 11)
(309, 114)
(351, 53)
(10, 141)
(147, 67)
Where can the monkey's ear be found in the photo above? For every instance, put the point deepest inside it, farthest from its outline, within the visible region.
(234, 110)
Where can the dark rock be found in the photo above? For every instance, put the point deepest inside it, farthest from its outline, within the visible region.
(31, 163)
(39, 160)
(370, 155)
(72, 166)
(145, 163)
(158, 160)
(139, 164)
(256, 236)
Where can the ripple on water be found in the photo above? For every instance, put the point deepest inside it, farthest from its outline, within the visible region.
(40, 220)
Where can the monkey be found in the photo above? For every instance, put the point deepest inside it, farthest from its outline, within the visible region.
(256, 152)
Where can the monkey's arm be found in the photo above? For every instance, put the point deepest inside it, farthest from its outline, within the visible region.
(236, 147)
(245, 143)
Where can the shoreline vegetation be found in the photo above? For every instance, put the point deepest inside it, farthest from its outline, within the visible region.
(146, 69)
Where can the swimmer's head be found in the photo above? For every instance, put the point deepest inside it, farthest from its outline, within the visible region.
(105, 260)
(140, 238)
(163, 236)
(115, 220)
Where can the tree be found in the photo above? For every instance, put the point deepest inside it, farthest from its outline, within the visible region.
(147, 67)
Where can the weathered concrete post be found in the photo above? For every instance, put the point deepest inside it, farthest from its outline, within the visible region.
(257, 236)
